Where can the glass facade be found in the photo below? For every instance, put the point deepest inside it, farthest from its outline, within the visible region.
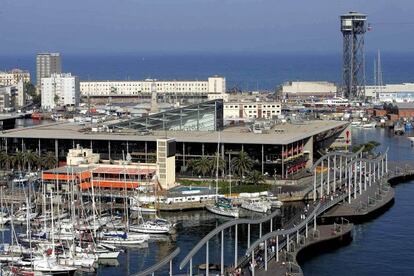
(206, 116)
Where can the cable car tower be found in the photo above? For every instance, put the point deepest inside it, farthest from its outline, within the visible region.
(353, 28)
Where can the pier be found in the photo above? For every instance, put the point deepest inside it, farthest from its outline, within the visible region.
(357, 189)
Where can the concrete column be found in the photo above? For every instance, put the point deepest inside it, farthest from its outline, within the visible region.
(91, 144)
(183, 154)
(207, 260)
(6, 145)
(253, 263)
(349, 186)
(314, 222)
(265, 259)
(370, 174)
(127, 147)
(202, 149)
(260, 230)
(283, 162)
(321, 179)
(146, 151)
(386, 162)
(39, 150)
(355, 179)
(109, 150)
(271, 225)
(374, 172)
(287, 243)
(365, 176)
(191, 267)
(248, 235)
(334, 176)
(235, 246)
(329, 174)
(171, 271)
(314, 185)
(360, 177)
(306, 230)
(379, 170)
(382, 167)
(340, 170)
(277, 248)
(346, 164)
(73, 144)
(57, 150)
(222, 253)
(262, 159)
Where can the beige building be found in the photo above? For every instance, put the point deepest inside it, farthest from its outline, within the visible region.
(213, 85)
(265, 110)
(80, 156)
(166, 149)
(399, 93)
(11, 78)
(303, 89)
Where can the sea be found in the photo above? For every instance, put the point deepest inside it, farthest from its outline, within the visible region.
(382, 246)
(247, 72)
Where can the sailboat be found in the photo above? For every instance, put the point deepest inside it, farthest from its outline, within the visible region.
(222, 206)
(4, 217)
(123, 237)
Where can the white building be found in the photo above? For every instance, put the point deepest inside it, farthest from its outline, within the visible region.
(79, 155)
(9, 78)
(46, 65)
(60, 90)
(265, 110)
(6, 103)
(398, 93)
(301, 89)
(213, 85)
(20, 94)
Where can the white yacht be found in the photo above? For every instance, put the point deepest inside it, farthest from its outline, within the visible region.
(123, 238)
(256, 205)
(223, 207)
(155, 226)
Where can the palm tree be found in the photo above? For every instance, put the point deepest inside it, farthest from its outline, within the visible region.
(255, 177)
(19, 160)
(49, 160)
(241, 164)
(202, 166)
(222, 164)
(32, 159)
(5, 160)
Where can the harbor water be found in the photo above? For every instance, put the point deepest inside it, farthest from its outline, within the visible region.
(382, 246)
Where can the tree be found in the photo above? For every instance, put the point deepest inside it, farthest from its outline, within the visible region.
(31, 91)
(202, 166)
(19, 160)
(222, 164)
(5, 160)
(242, 164)
(33, 159)
(255, 177)
(49, 160)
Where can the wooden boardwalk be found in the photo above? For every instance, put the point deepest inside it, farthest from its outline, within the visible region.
(287, 264)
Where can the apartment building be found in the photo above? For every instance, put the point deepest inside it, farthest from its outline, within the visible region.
(46, 65)
(60, 90)
(213, 85)
(12, 77)
(259, 110)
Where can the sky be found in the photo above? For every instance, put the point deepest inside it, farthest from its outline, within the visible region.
(194, 26)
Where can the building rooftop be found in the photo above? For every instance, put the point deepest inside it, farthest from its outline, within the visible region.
(280, 134)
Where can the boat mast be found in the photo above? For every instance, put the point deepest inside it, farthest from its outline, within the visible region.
(217, 163)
